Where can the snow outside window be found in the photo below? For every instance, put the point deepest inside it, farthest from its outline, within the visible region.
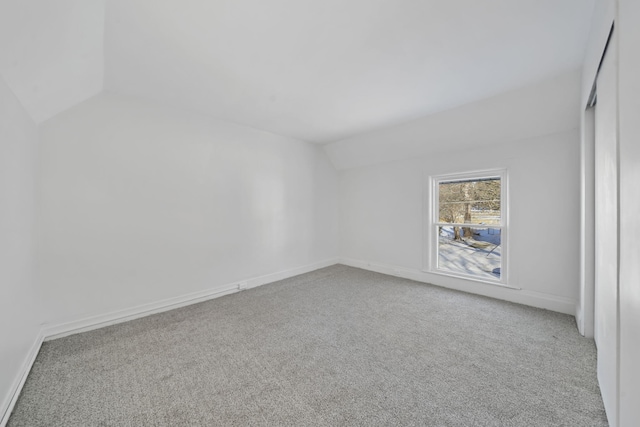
(468, 226)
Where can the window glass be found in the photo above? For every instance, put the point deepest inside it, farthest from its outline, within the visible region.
(468, 227)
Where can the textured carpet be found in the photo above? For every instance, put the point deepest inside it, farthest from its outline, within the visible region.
(338, 346)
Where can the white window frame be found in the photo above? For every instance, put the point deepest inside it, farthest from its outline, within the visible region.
(432, 221)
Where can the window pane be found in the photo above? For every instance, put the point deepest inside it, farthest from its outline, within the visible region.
(477, 255)
(470, 202)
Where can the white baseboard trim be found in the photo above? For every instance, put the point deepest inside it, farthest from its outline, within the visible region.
(579, 319)
(49, 332)
(98, 321)
(21, 378)
(281, 275)
(519, 296)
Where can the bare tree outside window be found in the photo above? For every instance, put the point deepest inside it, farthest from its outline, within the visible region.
(468, 223)
(469, 201)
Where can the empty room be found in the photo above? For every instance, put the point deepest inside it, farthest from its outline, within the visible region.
(322, 213)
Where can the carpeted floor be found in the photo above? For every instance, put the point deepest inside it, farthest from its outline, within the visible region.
(338, 346)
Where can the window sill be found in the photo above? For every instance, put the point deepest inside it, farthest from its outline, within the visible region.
(471, 279)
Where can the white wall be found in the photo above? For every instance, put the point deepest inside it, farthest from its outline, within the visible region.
(628, 21)
(382, 208)
(622, 384)
(607, 230)
(603, 15)
(19, 316)
(383, 211)
(142, 203)
(586, 301)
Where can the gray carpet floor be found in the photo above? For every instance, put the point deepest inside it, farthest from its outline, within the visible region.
(338, 346)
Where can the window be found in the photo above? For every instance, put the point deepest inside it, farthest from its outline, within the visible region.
(468, 227)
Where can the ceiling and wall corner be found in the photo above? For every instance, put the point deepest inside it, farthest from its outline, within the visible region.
(52, 52)
(315, 71)
(544, 108)
(323, 71)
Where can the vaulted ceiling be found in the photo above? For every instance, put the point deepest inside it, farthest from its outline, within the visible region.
(315, 70)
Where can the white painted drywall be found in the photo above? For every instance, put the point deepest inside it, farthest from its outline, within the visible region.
(629, 168)
(52, 52)
(544, 108)
(585, 306)
(382, 215)
(620, 385)
(19, 316)
(602, 19)
(382, 205)
(607, 231)
(142, 203)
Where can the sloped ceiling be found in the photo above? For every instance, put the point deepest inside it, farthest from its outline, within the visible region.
(52, 52)
(315, 70)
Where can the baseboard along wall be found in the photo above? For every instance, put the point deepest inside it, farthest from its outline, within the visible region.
(53, 331)
(519, 296)
(12, 397)
(94, 322)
